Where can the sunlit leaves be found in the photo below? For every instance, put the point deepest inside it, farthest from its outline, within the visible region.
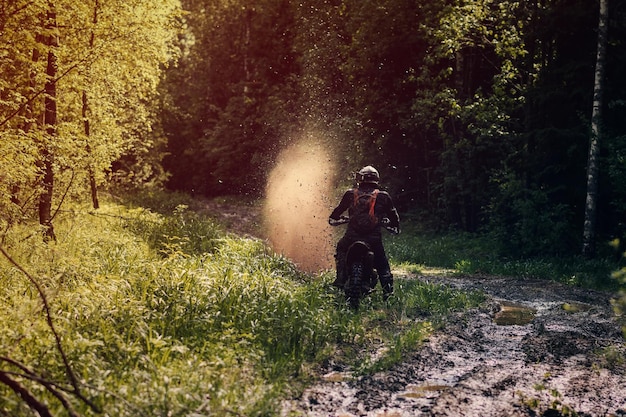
(114, 52)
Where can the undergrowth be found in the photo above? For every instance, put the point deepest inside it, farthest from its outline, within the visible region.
(477, 254)
(162, 313)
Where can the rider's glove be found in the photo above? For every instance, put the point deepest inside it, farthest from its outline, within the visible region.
(334, 222)
(393, 230)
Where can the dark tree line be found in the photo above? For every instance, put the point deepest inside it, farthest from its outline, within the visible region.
(477, 113)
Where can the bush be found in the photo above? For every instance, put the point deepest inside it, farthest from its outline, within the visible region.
(182, 232)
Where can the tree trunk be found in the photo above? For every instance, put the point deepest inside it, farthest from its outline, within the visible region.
(50, 123)
(92, 177)
(28, 111)
(589, 228)
(85, 113)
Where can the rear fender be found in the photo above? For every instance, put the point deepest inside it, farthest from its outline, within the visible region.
(359, 251)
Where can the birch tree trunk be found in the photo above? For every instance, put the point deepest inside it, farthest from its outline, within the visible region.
(589, 227)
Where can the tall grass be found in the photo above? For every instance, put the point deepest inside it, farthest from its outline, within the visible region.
(167, 315)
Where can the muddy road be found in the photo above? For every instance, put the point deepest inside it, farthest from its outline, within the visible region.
(536, 348)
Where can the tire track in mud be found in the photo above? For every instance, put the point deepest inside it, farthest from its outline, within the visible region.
(563, 359)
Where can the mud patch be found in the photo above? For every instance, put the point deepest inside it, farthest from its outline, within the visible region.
(556, 362)
(422, 391)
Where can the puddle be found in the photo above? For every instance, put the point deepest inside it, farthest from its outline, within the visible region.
(421, 391)
(514, 314)
(336, 377)
(574, 307)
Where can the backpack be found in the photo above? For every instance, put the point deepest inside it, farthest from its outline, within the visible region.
(362, 217)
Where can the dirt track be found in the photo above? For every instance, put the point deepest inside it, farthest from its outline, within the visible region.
(565, 357)
(561, 359)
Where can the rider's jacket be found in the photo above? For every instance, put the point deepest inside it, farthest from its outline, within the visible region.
(383, 208)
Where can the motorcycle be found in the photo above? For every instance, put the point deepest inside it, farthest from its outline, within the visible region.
(359, 265)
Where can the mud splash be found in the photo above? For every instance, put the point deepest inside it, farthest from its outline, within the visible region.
(563, 361)
(298, 204)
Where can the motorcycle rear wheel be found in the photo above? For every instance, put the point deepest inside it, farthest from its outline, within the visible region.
(355, 284)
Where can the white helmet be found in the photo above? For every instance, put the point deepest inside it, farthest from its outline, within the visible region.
(368, 174)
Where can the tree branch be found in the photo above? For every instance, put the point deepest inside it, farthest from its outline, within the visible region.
(67, 189)
(25, 395)
(68, 369)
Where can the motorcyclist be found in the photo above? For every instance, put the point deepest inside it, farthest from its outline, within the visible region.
(368, 180)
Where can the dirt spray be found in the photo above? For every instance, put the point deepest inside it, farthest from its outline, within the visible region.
(299, 198)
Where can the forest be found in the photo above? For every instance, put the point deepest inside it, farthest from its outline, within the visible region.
(478, 114)
(501, 122)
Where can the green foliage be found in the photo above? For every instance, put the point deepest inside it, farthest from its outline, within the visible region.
(479, 253)
(524, 223)
(157, 200)
(616, 172)
(450, 100)
(182, 233)
(109, 60)
(229, 123)
(221, 325)
(418, 246)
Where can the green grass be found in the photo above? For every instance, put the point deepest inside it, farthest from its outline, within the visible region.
(161, 313)
(475, 254)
